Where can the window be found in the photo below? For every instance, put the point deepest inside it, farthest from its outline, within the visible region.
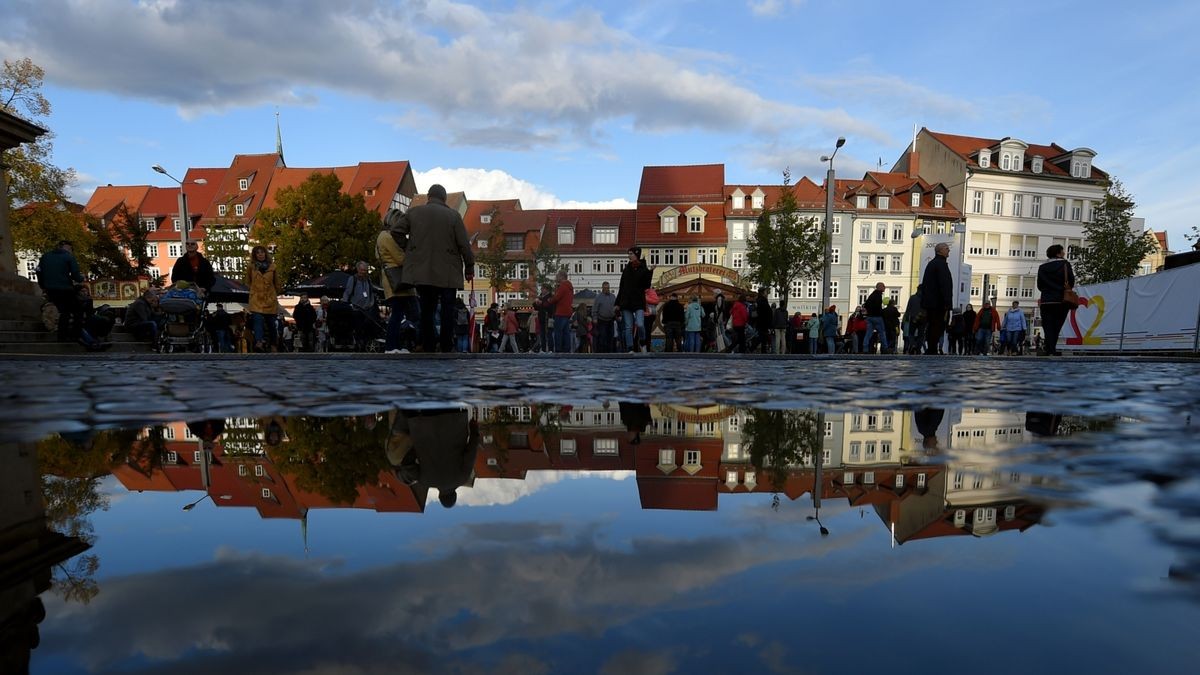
(174, 250)
(239, 209)
(897, 264)
(885, 450)
(401, 202)
(655, 257)
(221, 209)
(864, 263)
(606, 446)
(977, 202)
(1036, 165)
(705, 256)
(916, 199)
(863, 292)
(152, 250)
(985, 158)
(880, 264)
(1076, 210)
(998, 204)
(604, 235)
(1060, 209)
(938, 200)
(566, 446)
(266, 493)
(864, 232)
(814, 288)
(259, 470)
(566, 235)
(731, 478)
(837, 225)
(881, 233)
(666, 457)
(848, 478)
(899, 481)
(897, 233)
(150, 224)
(669, 224)
(738, 260)
(833, 289)
(175, 224)
(610, 266)
(242, 470)
(884, 202)
(514, 242)
(1017, 209)
(976, 247)
(1036, 206)
(668, 256)
(993, 245)
(1005, 161)
(828, 429)
(894, 294)
(483, 243)
(738, 232)
(695, 223)
(958, 480)
(855, 451)
(758, 200)
(196, 456)
(154, 272)
(734, 451)
(920, 480)
(522, 271)
(835, 255)
(578, 267)
(862, 201)
(691, 458)
(596, 266)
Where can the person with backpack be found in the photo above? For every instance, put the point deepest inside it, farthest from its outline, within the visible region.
(462, 326)
(58, 275)
(986, 322)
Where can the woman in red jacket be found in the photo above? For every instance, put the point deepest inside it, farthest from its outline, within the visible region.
(739, 316)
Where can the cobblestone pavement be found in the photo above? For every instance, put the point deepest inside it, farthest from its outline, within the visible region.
(55, 394)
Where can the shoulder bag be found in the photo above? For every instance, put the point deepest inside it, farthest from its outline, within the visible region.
(1070, 297)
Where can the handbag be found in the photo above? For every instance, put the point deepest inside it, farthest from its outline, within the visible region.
(395, 278)
(1070, 297)
(651, 296)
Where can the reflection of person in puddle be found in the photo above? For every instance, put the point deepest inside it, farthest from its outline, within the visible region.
(928, 420)
(635, 417)
(434, 448)
(1042, 423)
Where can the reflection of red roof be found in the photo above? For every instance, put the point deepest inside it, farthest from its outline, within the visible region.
(1027, 515)
(136, 481)
(681, 494)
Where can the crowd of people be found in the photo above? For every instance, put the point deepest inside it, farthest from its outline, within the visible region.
(425, 259)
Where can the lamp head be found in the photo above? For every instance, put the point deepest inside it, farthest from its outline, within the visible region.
(201, 181)
(824, 158)
(158, 168)
(841, 141)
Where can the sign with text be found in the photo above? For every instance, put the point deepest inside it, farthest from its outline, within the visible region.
(702, 269)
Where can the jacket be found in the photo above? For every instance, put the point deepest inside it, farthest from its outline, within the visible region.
(1055, 276)
(264, 289)
(511, 325)
(672, 312)
(434, 239)
(891, 317)
(968, 318)
(202, 275)
(829, 324)
(138, 311)
(631, 293)
(562, 299)
(359, 292)
(765, 320)
(987, 319)
(1015, 321)
(305, 315)
(781, 319)
(813, 327)
(874, 303)
(58, 271)
(693, 317)
(740, 314)
(603, 307)
(390, 255)
(444, 444)
(937, 286)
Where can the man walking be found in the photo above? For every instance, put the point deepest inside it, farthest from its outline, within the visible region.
(58, 275)
(672, 322)
(1055, 278)
(194, 268)
(1015, 324)
(986, 322)
(937, 297)
(561, 304)
(891, 323)
(874, 307)
(606, 316)
(764, 321)
(437, 260)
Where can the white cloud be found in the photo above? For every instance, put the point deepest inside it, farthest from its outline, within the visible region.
(496, 184)
(894, 92)
(772, 7)
(497, 491)
(80, 190)
(514, 79)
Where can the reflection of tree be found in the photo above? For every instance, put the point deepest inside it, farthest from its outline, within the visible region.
(779, 439)
(71, 467)
(332, 456)
(498, 424)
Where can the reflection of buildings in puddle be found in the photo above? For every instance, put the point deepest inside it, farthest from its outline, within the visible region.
(28, 552)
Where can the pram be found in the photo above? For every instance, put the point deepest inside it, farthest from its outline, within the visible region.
(183, 328)
(342, 318)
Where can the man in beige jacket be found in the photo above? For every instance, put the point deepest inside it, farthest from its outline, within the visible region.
(437, 259)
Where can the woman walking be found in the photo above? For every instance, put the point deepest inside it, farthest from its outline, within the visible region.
(631, 296)
(1055, 278)
(265, 284)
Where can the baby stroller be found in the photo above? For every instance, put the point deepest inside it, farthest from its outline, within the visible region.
(344, 320)
(183, 327)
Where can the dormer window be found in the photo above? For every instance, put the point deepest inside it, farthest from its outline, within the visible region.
(861, 201)
(668, 220)
(150, 224)
(758, 198)
(938, 200)
(1006, 161)
(221, 209)
(695, 219)
(566, 236)
(482, 243)
(485, 219)
(239, 209)
(885, 202)
(1018, 162)
(1036, 165)
(244, 184)
(985, 158)
(916, 199)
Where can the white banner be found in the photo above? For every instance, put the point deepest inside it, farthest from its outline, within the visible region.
(960, 271)
(1161, 313)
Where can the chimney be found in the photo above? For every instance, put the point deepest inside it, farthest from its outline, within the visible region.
(914, 163)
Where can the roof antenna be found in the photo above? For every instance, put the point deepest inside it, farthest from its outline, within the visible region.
(278, 138)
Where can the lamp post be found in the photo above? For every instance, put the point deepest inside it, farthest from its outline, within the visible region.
(184, 222)
(829, 188)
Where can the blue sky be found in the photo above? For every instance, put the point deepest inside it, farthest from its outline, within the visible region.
(559, 102)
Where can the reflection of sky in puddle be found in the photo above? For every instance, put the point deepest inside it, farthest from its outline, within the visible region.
(625, 538)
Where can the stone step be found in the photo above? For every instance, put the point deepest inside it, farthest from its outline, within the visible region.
(38, 337)
(11, 325)
(70, 348)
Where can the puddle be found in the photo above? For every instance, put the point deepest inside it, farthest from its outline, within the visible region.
(605, 537)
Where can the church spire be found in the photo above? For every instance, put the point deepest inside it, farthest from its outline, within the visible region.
(278, 139)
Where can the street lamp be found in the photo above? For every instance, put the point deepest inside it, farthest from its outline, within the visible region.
(829, 188)
(184, 222)
(207, 495)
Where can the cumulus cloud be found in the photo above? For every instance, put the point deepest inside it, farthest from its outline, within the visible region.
(772, 7)
(497, 184)
(899, 95)
(498, 491)
(508, 79)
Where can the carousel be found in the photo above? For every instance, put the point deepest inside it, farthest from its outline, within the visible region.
(700, 279)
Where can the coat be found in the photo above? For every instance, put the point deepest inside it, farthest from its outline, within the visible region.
(444, 444)
(563, 299)
(434, 239)
(694, 314)
(264, 289)
(937, 286)
(58, 271)
(202, 275)
(390, 255)
(631, 293)
(1054, 277)
(985, 322)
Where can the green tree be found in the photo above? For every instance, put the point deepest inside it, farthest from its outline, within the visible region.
(545, 264)
(333, 456)
(316, 228)
(497, 266)
(31, 176)
(1113, 250)
(785, 247)
(37, 227)
(779, 440)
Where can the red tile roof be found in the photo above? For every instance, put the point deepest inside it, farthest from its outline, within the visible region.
(261, 168)
(584, 221)
(670, 184)
(966, 146)
(478, 208)
(105, 200)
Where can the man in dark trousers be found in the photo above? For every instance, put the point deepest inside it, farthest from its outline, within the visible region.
(194, 268)
(58, 275)
(874, 307)
(764, 321)
(937, 297)
(434, 448)
(306, 324)
(891, 323)
(437, 260)
(672, 321)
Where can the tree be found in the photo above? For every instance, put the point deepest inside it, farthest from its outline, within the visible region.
(333, 456)
(1194, 237)
(778, 440)
(316, 228)
(494, 260)
(38, 227)
(785, 247)
(1113, 250)
(545, 263)
(31, 176)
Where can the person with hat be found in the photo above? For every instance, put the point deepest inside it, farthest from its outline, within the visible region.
(194, 268)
